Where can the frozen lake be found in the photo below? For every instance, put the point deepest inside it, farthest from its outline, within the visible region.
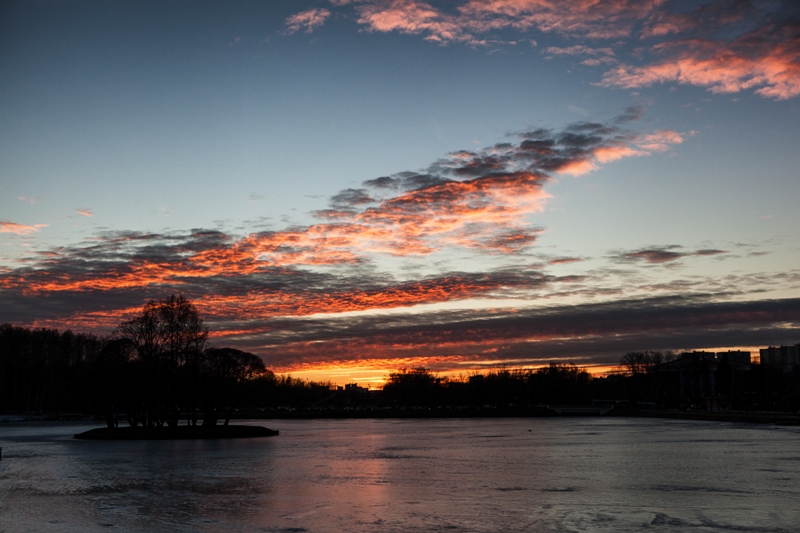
(534, 474)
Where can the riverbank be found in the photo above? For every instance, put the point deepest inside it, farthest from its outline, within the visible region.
(340, 414)
(177, 433)
(757, 417)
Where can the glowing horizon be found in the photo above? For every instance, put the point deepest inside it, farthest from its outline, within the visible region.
(343, 186)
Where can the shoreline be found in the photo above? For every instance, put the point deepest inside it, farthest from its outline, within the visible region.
(756, 417)
(177, 433)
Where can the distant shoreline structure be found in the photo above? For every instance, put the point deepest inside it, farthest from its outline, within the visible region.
(245, 431)
(753, 417)
(177, 433)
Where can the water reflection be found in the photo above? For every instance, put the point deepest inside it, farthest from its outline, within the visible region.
(401, 475)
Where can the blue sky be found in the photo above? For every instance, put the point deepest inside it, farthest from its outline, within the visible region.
(155, 137)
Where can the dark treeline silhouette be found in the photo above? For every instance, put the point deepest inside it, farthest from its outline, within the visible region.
(159, 370)
(556, 384)
(43, 370)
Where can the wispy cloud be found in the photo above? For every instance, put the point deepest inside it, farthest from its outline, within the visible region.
(586, 18)
(479, 203)
(564, 260)
(84, 211)
(579, 50)
(664, 254)
(589, 333)
(19, 229)
(310, 19)
(724, 46)
(413, 17)
(766, 59)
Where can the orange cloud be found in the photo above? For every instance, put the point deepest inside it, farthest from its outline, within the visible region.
(595, 333)
(453, 287)
(263, 302)
(468, 201)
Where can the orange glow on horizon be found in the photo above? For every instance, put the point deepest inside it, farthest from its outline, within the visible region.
(373, 373)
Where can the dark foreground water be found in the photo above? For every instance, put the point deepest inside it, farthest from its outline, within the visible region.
(592, 474)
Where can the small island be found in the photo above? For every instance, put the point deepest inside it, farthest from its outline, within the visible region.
(160, 372)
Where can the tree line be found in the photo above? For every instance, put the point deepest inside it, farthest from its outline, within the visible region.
(554, 384)
(159, 369)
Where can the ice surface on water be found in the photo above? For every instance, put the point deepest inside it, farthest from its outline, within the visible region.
(592, 474)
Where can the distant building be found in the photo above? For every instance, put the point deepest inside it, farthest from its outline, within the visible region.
(735, 357)
(783, 356)
(476, 379)
(702, 379)
(354, 387)
(701, 355)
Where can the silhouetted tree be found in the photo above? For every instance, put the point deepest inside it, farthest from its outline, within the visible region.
(561, 383)
(640, 367)
(170, 339)
(226, 372)
(42, 370)
(412, 387)
(112, 379)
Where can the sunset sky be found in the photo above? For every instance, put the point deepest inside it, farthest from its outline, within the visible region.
(348, 187)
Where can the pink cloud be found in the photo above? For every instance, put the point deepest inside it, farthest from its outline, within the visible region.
(84, 211)
(309, 19)
(607, 154)
(413, 17)
(19, 229)
(767, 60)
(660, 141)
(588, 18)
(667, 24)
(577, 168)
(636, 146)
